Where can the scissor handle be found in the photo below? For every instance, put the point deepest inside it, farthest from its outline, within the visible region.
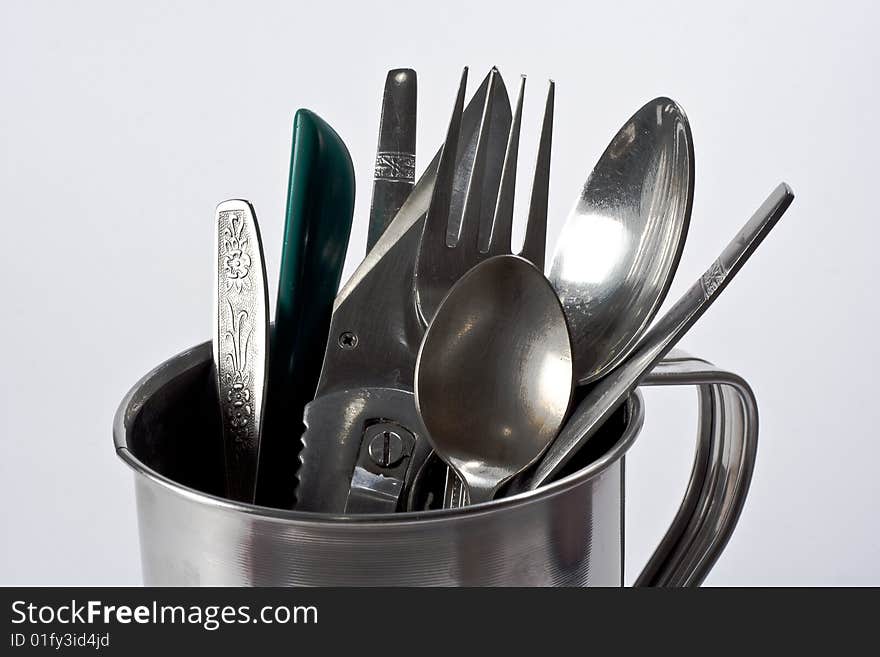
(727, 443)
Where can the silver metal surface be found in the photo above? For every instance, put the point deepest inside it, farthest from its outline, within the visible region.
(385, 446)
(370, 491)
(727, 444)
(568, 533)
(377, 484)
(369, 375)
(453, 242)
(447, 253)
(394, 173)
(494, 373)
(455, 494)
(620, 246)
(607, 394)
(535, 240)
(241, 342)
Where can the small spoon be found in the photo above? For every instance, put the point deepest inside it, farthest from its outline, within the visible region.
(621, 244)
(493, 377)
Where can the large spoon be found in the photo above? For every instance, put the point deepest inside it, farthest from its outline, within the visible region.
(621, 244)
(494, 373)
(609, 393)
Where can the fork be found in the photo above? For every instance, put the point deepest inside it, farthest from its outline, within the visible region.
(443, 257)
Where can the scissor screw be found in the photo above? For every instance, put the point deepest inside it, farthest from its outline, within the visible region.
(348, 340)
(386, 448)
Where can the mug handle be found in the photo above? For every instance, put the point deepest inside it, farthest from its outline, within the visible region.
(727, 443)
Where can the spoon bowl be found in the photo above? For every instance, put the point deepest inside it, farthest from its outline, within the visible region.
(621, 244)
(494, 373)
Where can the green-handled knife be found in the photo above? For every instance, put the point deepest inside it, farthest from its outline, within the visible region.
(320, 203)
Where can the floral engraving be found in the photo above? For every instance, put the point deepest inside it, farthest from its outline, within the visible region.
(713, 278)
(236, 379)
(235, 261)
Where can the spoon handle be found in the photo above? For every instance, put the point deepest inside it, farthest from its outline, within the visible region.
(609, 392)
(241, 342)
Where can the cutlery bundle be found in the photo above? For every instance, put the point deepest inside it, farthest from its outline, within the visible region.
(441, 327)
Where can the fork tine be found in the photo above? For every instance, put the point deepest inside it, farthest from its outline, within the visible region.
(441, 196)
(502, 222)
(536, 229)
(469, 231)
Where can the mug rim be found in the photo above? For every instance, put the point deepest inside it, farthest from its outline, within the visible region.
(165, 372)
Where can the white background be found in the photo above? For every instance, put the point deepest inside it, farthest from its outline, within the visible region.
(123, 124)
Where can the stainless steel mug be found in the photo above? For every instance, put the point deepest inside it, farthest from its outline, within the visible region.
(570, 532)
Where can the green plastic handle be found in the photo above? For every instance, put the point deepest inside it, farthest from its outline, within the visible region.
(320, 203)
